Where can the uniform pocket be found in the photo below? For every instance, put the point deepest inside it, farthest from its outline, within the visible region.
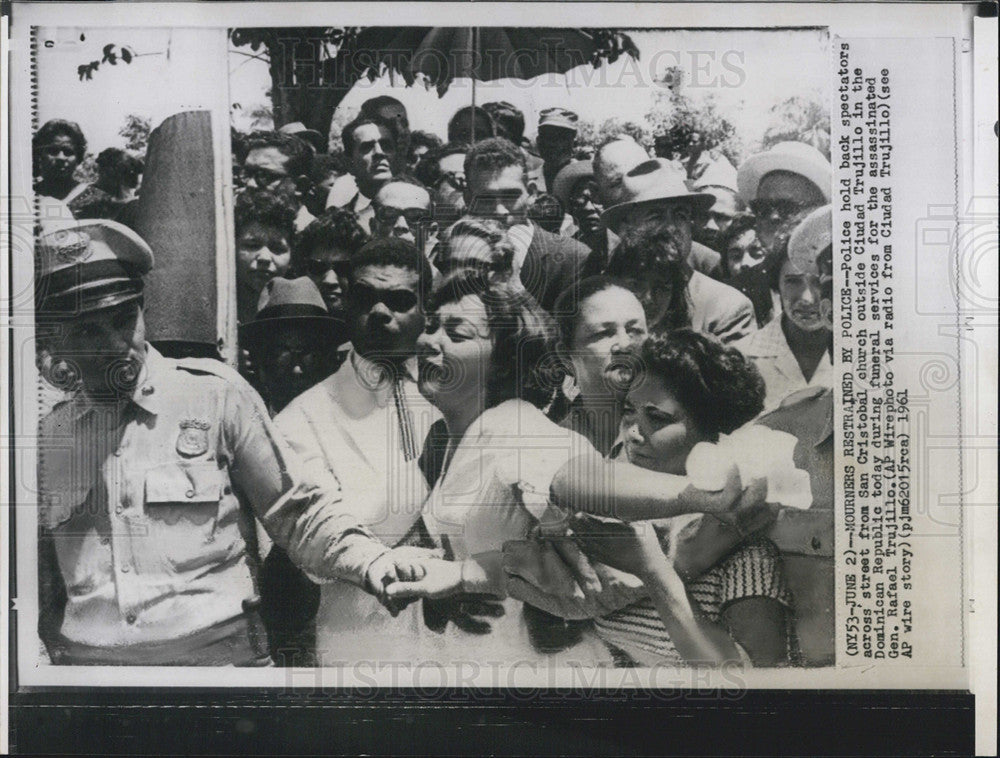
(181, 507)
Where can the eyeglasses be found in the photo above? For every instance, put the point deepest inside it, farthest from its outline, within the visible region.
(764, 209)
(364, 298)
(387, 215)
(262, 177)
(455, 178)
(318, 268)
(54, 151)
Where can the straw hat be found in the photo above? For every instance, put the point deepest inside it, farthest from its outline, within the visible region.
(794, 157)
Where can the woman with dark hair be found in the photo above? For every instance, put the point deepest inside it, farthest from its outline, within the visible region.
(479, 244)
(58, 149)
(118, 174)
(694, 390)
(487, 362)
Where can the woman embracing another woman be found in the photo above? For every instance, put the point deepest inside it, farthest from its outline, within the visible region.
(505, 470)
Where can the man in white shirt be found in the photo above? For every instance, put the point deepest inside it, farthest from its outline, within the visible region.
(365, 425)
(370, 149)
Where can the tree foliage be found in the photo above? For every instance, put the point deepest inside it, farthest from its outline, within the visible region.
(593, 136)
(684, 129)
(312, 68)
(136, 130)
(800, 119)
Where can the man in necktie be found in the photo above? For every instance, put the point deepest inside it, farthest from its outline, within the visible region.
(365, 425)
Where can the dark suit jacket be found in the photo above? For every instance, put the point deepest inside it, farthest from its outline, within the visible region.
(551, 265)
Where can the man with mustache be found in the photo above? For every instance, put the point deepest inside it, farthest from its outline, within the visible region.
(370, 149)
(655, 224)
(279, 163)
(152, 475)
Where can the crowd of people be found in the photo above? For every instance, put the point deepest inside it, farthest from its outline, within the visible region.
(496, 401)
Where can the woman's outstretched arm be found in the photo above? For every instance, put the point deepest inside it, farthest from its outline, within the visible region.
(616, 489)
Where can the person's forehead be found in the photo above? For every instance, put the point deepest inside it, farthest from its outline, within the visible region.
(510, 177)
(371, 133)
(260, 229)
(387, 276)
(742, 240)
(470, 308)
(800, 268)
(611, 304)
(105, 317)
(324, 252)
(651, 390)
(403, 195)
(266, 157)
(290, 331)
(453, 162)
(724, 197)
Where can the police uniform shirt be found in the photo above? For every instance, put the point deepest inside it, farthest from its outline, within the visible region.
(143, 500)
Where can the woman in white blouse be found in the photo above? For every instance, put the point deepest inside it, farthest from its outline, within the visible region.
(483, 364)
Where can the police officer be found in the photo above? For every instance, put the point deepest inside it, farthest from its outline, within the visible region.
(151, 475)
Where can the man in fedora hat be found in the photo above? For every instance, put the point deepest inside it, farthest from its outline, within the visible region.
(782, 186)
(149, 475)
(293, 341)
(655, 223)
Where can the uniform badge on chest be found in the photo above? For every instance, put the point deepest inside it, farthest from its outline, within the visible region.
(193, 437)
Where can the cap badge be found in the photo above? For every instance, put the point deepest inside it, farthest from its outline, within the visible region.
(72, 246)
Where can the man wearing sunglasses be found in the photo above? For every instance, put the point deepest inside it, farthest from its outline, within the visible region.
(403, 210)
(365, 425)
(782, 186)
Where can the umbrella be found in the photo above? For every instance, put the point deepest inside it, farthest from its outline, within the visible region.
(443, 54)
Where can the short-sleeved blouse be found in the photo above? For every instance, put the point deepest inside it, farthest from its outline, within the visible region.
(753, 570)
